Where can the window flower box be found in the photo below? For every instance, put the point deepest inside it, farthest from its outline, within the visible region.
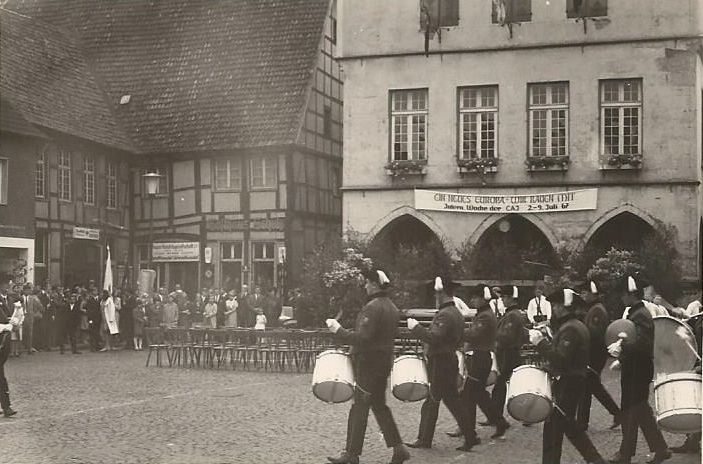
(402, 168)
(547, 163)
(477, 165)
(608, 162)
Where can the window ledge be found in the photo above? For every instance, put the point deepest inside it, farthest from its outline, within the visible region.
(406, 168)
(477, 165)
(547, 163)
(620, 162)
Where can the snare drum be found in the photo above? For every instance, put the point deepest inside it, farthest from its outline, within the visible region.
(409, 378)
(677, 399)
(333, 377)
(529, 397)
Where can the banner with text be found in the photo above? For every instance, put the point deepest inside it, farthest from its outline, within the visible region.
(176, 252)
(551, 202)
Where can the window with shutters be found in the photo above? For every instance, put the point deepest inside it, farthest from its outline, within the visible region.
(511, 11)
(586, 8)
(439, 13)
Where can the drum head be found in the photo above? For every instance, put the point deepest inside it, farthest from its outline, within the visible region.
(617, 326)
(672, 353)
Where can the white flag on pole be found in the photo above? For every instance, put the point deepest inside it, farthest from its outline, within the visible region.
(107, 281)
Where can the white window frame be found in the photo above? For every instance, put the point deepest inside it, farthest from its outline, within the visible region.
(111, 169)
(268, 178)
(89, 180)
(416, 149)
(550, 108)
(64, 176)
(621, 105)
(40, 176)
(229, 180)
(232, 245)
(4, 179)
(481, 113)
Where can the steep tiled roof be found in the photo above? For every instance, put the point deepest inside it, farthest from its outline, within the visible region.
(200, 75)
(12, 120)
(45, 78)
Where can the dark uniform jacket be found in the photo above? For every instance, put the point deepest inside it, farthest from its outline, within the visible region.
(372, 342)
(376, 326)
(481, 335)
(568, 352)
(5, 314)
(442, 339)
(637, 358)
(510, 336)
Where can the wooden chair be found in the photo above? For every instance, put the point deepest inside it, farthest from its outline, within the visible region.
(156, 342)
(199, 346)
(177, 340)
(219, 346)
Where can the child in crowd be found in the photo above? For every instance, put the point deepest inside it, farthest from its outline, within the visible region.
(260, 320)
(139, 320)
(210, 313)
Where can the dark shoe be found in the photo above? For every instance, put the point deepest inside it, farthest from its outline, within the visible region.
(344, 458)
(500, 429)
(616, 422)
(9, 412)
(469, 443)
(400, 455)
(455, 433)
(486, 424)
(419, 444)
(660, 457)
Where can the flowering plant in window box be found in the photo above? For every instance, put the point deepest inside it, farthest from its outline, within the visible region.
(479, 165)
(621, 161)
(547, 163)
(399, 168)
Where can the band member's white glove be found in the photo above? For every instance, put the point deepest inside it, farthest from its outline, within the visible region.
(615, 365)
(615, 348)
(333, 325)
(412, 323)
(536, 336)
(5, 327)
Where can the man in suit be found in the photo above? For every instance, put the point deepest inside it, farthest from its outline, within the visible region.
(71, 321)
(33, 312)
(442, 339)
(256, 303)
(636, 356)
(243, 310)
(92, 307)
(6, 310)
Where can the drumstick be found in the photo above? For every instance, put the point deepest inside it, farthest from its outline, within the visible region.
(683, 335)
(688, 344)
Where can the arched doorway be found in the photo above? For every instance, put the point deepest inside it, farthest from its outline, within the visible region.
(626, 231)
(513, 248)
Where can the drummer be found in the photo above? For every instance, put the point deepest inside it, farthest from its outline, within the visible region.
(510, 336)
(442, 339)
(692, 444)
(567, 362)
(480, 341)
(636, 356)
(372, 345)
(596, 319)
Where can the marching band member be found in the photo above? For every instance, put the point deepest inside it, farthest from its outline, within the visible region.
(539, 309)
(636, 358)
(480, 340)
(510, 336)
(596, 319)
(567, 362)
(442, 339)
(372, 355)
(496, 302)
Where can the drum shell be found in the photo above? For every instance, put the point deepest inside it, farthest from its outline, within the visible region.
(333, 377)
(409, 381)
(677, 399)
(529, 397)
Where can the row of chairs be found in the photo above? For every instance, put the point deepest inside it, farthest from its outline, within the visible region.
(276, 350)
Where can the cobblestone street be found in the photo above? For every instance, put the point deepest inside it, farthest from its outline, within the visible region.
(109, 408)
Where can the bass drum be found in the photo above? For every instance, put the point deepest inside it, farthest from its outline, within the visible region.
(677, 399)
(333, 377)
(529, 396)
(409, 378)
(674, 346)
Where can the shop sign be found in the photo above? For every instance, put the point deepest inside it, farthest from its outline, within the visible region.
(85, 233)
(176, 251)
(238, 225)
(549, 202)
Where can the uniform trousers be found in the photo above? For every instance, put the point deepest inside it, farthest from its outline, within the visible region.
(568, 391)
(508, 359)
(443, 369)
(474, 392)
(371, 370)
(640, 415)
(594, 387)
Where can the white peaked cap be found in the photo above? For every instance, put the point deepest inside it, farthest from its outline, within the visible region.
(631, 284)
(594, 288)
(486, 293)
(515, 291)
(438, 286)
(568, 296)
(382, 277)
